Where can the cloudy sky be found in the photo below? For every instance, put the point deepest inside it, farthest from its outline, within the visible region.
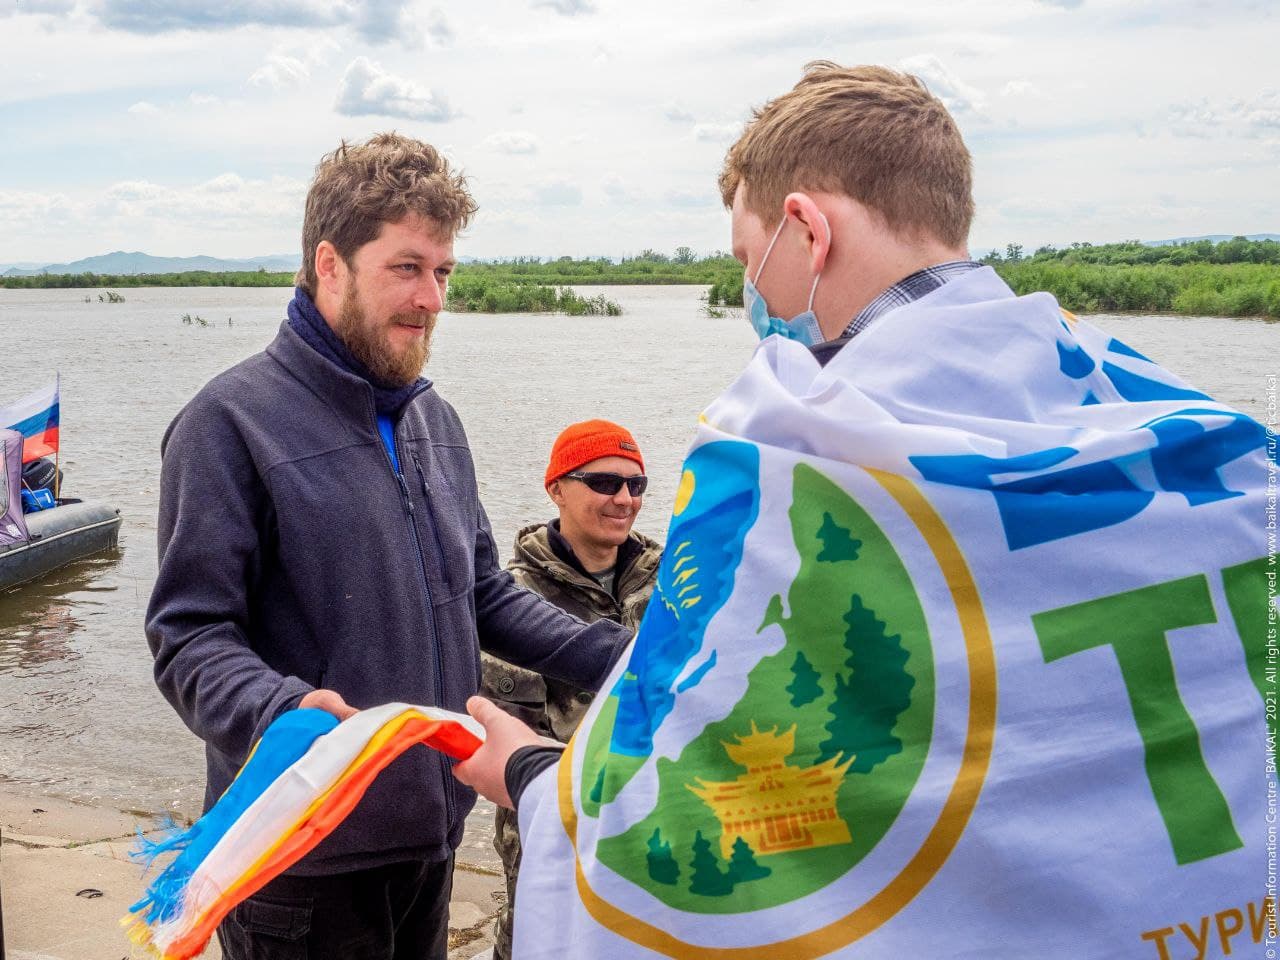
(597, 127)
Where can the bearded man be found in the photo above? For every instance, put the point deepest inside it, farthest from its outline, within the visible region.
(322, 544)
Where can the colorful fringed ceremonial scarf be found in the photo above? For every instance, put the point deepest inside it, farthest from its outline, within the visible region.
(962, 646)
(302, 779)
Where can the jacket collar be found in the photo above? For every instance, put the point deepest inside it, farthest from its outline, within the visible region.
(344, 392)
(313, 329)
(542, 546)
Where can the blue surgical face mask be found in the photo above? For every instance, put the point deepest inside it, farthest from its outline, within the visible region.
(802, 328)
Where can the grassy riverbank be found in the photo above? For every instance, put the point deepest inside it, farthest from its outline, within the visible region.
(480, 294)
(191, 278)
(1206, 289)
(649, 267)
(1235, 278)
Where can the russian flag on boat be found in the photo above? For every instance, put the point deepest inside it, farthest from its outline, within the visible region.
(35, 416)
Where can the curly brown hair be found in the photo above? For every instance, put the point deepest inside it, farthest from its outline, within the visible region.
(871, 133)
(360, 186)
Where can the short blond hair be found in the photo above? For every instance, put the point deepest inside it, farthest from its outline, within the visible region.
(871, 133)
(360, 186)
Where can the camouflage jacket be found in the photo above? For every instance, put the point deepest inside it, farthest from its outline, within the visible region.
(553, 707)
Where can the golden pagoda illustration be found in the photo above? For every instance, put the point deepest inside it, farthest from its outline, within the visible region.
(775, 806)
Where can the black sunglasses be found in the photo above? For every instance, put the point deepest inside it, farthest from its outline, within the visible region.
(610, 483)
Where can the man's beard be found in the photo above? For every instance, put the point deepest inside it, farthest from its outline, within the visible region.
(371, 344)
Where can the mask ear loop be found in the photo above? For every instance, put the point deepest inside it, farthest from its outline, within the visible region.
(769, 249)
(813, 291)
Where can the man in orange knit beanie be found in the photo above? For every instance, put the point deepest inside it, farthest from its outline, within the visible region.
(590, 563)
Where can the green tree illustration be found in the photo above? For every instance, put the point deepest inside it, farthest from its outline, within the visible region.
(743, 866)
(868, 702)
(805, 688)
(597, 788)
(662, 865)
(837, 542)
(707, 880)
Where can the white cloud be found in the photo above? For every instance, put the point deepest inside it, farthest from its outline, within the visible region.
(1254, 118)
(224, 183)
(381, 21)
(203, 99)
(224, 202)
(677, 114)
(1020, 88)
(22, 209)
(1061, 4)
(567, 8)
(717, 132)
(959, 97)
(377, 21)
(290, 64)
(319, 51)
(689, 199)
(512, 141)
(614, 187)
(137, 207)
(150, 16)
(144, 108)
(368, 90)
(558, 193)
(439, 29)
(46, 7)
(279, 72)
(1037, 209)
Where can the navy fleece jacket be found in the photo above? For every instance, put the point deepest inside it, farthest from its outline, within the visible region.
(293, 557)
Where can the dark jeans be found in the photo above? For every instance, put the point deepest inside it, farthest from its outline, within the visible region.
(395, 912)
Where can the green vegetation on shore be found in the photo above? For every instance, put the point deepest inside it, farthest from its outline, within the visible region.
(650, 267)
(191, 278)
(1214, 290)
(1234, 278)
(480, 294)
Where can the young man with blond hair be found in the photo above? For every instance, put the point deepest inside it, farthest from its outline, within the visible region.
(914, 680)
(322, 544)
(855, 189)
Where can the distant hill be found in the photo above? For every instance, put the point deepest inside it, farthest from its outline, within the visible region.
(131, 263)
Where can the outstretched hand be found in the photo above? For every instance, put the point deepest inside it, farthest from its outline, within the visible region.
(486, 770)
(330, 701)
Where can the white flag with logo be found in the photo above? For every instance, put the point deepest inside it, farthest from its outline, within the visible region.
(962, 647)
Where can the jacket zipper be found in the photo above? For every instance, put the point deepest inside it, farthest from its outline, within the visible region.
(446, 786)
(431, 510)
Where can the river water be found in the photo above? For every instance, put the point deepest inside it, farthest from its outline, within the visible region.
(79, 714)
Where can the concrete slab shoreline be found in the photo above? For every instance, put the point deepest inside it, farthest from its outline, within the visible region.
(66, 880)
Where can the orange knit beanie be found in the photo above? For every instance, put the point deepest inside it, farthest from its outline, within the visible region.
(581, 443)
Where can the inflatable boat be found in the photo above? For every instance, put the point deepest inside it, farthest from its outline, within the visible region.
(36, 543)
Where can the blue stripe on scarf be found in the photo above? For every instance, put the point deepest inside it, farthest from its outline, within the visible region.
(282, 745)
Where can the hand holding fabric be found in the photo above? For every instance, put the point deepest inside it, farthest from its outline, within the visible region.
(485, 771)
(330, 701)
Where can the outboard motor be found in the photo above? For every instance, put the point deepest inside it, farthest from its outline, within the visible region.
(40, 473)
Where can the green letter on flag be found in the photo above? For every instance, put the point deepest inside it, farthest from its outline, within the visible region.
(1134, 624)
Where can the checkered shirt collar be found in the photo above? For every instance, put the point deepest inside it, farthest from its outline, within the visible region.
(908, 290)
